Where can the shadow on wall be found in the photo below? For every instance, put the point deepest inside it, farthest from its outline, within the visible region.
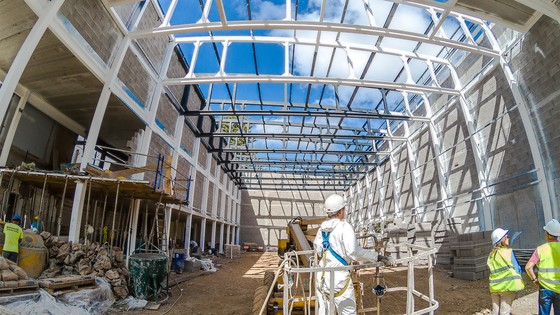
(265, 214)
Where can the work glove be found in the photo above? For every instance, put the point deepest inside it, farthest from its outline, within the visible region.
(388, 261)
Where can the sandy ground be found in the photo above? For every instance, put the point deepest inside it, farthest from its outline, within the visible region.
(230, 290)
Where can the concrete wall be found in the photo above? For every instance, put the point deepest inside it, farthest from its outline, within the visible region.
(514, 201)
(265, 214)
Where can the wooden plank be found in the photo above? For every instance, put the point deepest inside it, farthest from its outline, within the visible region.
(130, 171)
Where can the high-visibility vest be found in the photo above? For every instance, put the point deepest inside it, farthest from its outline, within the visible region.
(503, 277)
(549, 266)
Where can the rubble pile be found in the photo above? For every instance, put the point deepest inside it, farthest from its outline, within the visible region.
(90, 259)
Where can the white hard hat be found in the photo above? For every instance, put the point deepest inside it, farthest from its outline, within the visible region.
(497, 235)
(553, 227)
(334, 203)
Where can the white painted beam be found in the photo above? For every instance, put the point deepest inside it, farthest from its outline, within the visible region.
(309, 26)
(25, 52)
(249, 78)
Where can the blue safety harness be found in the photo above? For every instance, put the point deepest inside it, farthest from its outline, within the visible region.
(327, 246)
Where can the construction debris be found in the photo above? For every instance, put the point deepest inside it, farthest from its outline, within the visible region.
(90, 259)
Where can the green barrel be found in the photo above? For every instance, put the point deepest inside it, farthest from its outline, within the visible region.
(148, 273)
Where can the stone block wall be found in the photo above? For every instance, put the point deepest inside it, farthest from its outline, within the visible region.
(265, 214)
(95, 25)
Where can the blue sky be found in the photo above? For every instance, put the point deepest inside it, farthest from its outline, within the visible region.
(270, 57)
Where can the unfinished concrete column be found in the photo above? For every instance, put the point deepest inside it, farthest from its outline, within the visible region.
(221, 239)
(203, 234)
(213, 236)
(228, 233)
(77, 209)
(188, 223)
(168, 214)
(237, 230)
(133, 229)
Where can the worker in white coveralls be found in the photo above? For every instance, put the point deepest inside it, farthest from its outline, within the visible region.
(337, 246)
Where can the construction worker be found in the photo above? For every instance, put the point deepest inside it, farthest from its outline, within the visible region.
(37, 226)
(337, 246)
(13, 235)
(505, 273)
(547, 259)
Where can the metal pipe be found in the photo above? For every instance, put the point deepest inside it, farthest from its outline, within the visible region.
(119, 224)
(126, 227)
(87, 212)
(431, 281)
(61, 207)
(410, 285)
(114, 216)
(42, 197)
(103, 218)
(94, 219)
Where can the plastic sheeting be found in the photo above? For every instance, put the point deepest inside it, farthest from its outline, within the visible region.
(94, 301)
(207, 264)
(130, 304)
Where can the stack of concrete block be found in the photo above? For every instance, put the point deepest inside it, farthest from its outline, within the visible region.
(470, 252)
(443, 232)
(232, 251)
(397, 234)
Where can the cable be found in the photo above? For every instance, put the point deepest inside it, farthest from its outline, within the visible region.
(180, 295)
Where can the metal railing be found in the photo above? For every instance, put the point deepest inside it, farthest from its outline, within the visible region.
(293, 290)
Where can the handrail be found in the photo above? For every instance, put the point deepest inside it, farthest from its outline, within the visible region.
(290, 268)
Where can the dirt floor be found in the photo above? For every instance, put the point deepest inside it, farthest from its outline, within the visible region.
(230, 290)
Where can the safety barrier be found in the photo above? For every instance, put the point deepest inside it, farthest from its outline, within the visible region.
(295, 291)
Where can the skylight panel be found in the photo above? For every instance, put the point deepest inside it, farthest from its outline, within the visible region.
(384, 68)
(411, 19)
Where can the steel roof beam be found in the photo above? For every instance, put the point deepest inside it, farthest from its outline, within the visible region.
(374, 114)
(220, 77)
(276, 163)
(312, 125)
(300, 151)
(309, 26)
(292, 189)
(279, 136)
(295, 171)
(296, 184)
(322, 42)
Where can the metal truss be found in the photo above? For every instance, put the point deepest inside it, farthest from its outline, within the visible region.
(307, 130)
(342, 137)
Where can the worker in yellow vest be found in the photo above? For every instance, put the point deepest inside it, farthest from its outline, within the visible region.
(547, 259)
(13, 235)
(505, 273)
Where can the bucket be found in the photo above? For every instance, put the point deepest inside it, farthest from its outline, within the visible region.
(148, 273)
(178, 262)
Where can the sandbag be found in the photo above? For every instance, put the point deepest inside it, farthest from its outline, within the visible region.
(8, 275)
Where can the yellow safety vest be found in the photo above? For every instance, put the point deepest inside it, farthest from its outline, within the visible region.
(503, 277)
(549, 266)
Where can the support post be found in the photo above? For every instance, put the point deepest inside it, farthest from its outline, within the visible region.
(77, 209)
(221, 247)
